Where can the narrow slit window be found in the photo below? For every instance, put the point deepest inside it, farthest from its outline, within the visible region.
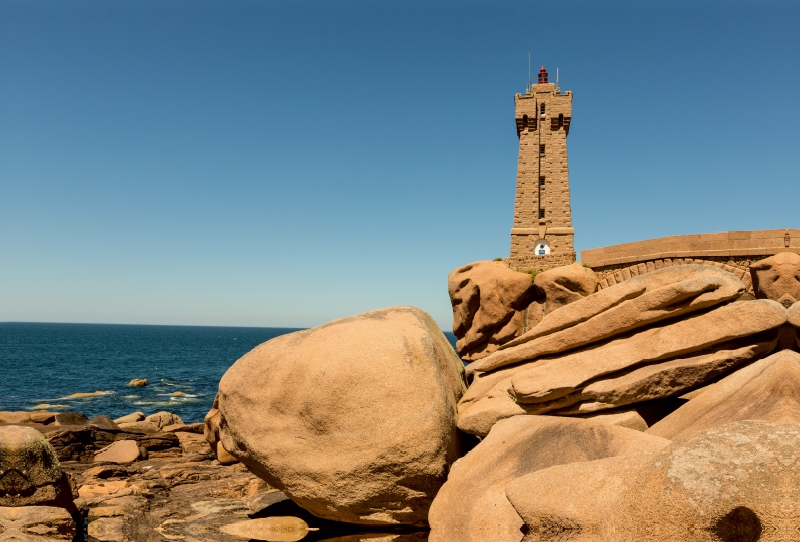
(541, 181)
(541, 109)
(561, 119)
(541, 212)
(541, 149)
(524, 121)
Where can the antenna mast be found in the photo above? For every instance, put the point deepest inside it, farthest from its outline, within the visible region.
(558, 87)
(528, 88)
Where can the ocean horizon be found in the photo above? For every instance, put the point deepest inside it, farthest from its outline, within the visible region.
(68, 367)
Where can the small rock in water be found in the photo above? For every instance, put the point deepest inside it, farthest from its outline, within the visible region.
(138, 382)
(45, 406)
(179, 394)
(86, 395)
(274, 529)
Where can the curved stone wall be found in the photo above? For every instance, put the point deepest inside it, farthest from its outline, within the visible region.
(733, 251)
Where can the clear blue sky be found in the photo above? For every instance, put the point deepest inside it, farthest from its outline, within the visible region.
(284, 163)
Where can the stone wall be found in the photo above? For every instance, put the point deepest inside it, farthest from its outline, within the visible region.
(719, 247)
(733, 251)
(542, 263)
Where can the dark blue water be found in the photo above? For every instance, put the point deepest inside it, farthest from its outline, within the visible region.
(43, 364)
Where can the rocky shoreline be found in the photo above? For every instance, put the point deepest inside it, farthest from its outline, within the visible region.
(145, 479)
(663, 408)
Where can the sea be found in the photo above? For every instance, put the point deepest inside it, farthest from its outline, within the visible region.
(87, 367)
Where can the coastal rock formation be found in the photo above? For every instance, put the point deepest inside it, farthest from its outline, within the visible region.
(36, 524)
(355, 418)
(767, 390)
(211, 434)
(130, 418)
(121, 451)
(564, 285)
(138, 383)
(163, 419)
(656, 336)
(731, 483)
(778, 278)
(489, 299)
(30, 473)
(82, 443)
(472, 506)
(573, 501)
(645, 300)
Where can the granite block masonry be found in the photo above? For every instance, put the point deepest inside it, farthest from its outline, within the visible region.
(542, 236)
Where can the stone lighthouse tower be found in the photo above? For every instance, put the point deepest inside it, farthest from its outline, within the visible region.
(542, 236)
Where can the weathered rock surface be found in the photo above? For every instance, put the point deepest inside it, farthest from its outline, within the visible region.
(777, 278)
(15, 417)
(767, 390)
(30, 473)
(630, 419)
(131, 418)
(357, 416)
(71, 418)
(573, 501)
(556, 384)
(140, 427)
(663, 294)
(564, 285)
(472, 505)
(735, 483)
(121, 451)
(488, 301)
(138, 383)
(103, 422)
(36, 524)
(211, 434)
(81, 443)
(163, 419)
(277, 529)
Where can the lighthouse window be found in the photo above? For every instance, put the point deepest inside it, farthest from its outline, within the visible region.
(541, 212)
(541, 149)
(541, 181)
(524, 121)
(541, 109)
(561, 119)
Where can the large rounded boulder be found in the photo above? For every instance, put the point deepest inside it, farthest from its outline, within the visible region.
(354, 420)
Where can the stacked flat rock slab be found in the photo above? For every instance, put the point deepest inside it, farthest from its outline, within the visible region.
(738, 482)
(472, 506)
(354, 420)
(647, 338)
(767, 390)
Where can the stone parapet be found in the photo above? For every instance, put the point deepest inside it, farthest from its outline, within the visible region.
(541, 263)
(724, 246)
